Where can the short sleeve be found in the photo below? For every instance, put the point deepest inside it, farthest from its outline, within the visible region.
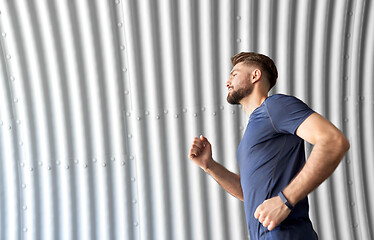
(287, 112)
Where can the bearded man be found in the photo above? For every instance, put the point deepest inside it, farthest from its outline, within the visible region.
(274, 178)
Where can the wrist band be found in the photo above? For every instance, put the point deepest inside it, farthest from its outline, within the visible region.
(285, 201)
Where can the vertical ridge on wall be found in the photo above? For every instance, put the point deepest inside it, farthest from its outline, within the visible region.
(357, 44)
(10, 210)
(366, 88)
(172, 100)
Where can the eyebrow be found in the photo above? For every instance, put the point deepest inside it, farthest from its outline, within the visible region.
(232, 71)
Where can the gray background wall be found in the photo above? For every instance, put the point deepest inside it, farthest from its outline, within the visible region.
(100, 100)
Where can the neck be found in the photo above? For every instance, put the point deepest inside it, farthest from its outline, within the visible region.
(253, 101)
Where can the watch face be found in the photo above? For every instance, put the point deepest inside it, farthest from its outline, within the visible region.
(284, 199)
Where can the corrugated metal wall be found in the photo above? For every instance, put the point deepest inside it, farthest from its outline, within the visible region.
(100, 100)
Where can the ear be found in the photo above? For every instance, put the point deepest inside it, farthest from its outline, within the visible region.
(255, 75)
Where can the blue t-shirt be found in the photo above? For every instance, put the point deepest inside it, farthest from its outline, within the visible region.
(269, 156)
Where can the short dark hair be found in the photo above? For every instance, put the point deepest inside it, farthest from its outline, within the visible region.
(265, 64)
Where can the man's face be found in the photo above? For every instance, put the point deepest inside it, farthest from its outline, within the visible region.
(239, 85)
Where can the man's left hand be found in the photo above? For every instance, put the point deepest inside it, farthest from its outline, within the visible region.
(272, 212)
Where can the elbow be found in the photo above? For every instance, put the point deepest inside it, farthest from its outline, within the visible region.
(337, 143)
(347, 145)
(344, 144)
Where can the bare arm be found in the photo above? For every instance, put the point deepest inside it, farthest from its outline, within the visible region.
(330, 146)
(201, 154)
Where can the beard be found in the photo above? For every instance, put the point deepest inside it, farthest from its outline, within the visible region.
(234, 97)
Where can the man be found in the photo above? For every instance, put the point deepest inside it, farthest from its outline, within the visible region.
(274, 178)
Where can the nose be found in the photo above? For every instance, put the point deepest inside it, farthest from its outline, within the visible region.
(228, 83)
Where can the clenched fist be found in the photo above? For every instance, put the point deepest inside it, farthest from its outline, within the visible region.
(201, 152)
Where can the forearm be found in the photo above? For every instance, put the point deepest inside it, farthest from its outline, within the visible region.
(322, 162)
(227, 180)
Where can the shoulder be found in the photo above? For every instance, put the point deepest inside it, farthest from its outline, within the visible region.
(287, 112)
(282, 98)
(280, 101)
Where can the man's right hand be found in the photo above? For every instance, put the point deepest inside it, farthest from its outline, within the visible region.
(201, 152)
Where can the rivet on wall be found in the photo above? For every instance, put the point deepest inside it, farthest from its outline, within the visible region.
(3, 34)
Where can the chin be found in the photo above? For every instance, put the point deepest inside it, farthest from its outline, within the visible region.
(231, 101)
